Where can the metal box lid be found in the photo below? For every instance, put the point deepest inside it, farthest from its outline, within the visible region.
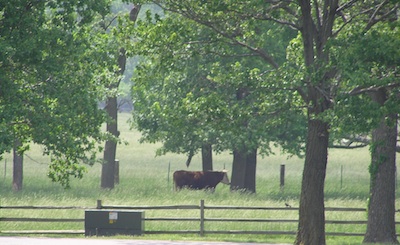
(114, 219)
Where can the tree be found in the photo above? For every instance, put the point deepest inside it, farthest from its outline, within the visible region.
(326, 30)
(316, 92)
(111, 105)
(381, 226)
(52, 95)
(167, 88)
(374, 78)
(17, 167)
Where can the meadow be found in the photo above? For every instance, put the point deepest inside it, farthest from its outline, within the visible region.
(145, 180)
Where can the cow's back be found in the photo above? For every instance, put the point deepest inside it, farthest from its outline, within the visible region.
(183, 178)
(197, 179)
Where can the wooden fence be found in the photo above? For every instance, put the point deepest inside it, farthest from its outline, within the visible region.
(201, 222)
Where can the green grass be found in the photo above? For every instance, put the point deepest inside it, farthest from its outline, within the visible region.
(144, 181)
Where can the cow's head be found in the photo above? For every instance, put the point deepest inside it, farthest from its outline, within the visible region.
(225, 178)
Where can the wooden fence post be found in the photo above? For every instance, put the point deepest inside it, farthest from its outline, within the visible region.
(169, 169)
(282, 179)
(116, 171)
(99, 206)
(201, 217)
(5, 169)
(341, 176)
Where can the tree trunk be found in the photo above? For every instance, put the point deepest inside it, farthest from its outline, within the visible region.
(110, 149)
(17, 167)
(206, 156)
(250, 178)
(311, 228)
(381, 208)
(108, 167)
(238, 171)
(244, 171)
(315, 34)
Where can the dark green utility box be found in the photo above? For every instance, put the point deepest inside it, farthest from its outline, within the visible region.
(102, 222)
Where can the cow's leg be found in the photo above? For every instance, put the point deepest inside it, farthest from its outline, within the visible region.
(210, 189)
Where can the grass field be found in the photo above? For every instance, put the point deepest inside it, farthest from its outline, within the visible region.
(144, 181)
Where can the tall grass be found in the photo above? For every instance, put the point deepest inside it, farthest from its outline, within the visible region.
(145, 180)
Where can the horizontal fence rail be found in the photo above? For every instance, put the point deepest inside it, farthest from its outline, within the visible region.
(44, 207)
(201, 220)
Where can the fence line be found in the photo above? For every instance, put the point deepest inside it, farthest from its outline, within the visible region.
(45, 207)
(202, 219)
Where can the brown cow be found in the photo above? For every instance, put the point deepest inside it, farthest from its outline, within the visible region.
(199, 180)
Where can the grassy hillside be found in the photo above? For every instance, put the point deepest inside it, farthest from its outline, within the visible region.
(145, 180)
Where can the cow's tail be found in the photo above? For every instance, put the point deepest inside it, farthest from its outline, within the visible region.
(175, 184)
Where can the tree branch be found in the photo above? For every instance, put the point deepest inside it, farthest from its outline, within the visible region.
(105, 27)
(279, 21)
(360, 140)
(363, 142)
(303, 94)
(361, 90)
(373, 19)
(346, 5)
(192, 15)
(348, 146)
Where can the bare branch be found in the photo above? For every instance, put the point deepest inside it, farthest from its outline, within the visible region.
(374, 12)
(261, 52)
(373, 19)
(346, 5)
(279, 21)
(361, 90)
(318, 14)
(360, 141)
(348, 143)
(325, 94)
(348, 146)
(105, 27)
(348, 19)
(303, 94)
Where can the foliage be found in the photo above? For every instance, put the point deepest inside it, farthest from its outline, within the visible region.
(369, 71)
(186, 91)
(48, 91)
(368, 61)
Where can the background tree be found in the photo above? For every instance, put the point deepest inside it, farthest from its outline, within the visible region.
(168, 88)
(48, 94)
(197, 88)
(18, 161)
(114, 59)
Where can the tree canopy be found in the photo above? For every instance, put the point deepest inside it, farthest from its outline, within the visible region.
(48, 92)
(185, 94)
